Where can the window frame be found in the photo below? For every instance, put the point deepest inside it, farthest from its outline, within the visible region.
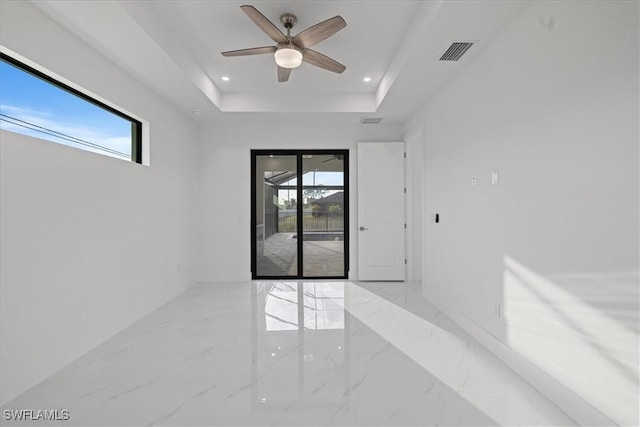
(136, 125)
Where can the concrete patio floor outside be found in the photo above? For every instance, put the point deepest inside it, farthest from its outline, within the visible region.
(320, 257)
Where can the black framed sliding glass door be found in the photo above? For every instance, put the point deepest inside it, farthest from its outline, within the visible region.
(300, 214)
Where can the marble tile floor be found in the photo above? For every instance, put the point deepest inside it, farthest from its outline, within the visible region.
(292, 353)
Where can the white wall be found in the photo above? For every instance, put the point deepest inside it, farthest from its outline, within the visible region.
(414, 141)
(89, 243)
(545, 262)
(225, 193)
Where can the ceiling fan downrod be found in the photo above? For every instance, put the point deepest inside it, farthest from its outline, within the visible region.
(288, 20)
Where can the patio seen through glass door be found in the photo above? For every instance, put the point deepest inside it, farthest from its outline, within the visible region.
(299, 214)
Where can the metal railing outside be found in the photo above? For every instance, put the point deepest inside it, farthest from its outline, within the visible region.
(312, 221)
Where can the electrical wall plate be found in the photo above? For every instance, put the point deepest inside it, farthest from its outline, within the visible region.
(494, 177)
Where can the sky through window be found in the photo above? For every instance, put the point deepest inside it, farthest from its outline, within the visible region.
(35, 107)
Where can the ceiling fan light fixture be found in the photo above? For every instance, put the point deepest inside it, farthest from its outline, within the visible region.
(288, 57)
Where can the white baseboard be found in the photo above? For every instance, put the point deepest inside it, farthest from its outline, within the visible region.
(569, 402)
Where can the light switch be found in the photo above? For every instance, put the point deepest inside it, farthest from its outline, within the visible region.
(494, 177)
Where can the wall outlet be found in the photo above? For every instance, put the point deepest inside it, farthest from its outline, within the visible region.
(474, 180)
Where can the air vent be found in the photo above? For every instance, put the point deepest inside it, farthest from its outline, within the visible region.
(455, 51)
(370, 120)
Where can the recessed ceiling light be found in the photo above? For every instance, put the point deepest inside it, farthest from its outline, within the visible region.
(197, 113)
(366, 79)
(226, 78)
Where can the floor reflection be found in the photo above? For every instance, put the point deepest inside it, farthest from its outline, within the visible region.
(300, 350)
(283, 353)
(343, 354)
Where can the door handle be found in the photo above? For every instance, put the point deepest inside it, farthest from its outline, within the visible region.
(363, 228)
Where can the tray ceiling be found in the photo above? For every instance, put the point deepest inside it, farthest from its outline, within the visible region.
(174, 48)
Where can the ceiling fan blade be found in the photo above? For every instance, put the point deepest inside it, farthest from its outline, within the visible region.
(319, 60)
(250, 51)
(264, 24)
(319, 32)
(283, 74)
(336, 157)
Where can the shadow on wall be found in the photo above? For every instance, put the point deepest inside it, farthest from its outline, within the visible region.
(581, 329)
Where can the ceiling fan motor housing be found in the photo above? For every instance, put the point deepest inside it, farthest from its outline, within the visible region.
(288, 20)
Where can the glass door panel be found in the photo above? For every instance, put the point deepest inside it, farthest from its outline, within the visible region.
(276, 216)
(300, 214)
(323, 217)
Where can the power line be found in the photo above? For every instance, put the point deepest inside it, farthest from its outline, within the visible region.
(56, 134)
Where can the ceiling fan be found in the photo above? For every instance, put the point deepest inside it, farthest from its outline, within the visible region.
(290, 52)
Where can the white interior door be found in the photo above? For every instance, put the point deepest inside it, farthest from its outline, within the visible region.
(381, 248)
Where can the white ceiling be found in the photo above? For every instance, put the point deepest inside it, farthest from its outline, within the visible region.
(174, 48)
